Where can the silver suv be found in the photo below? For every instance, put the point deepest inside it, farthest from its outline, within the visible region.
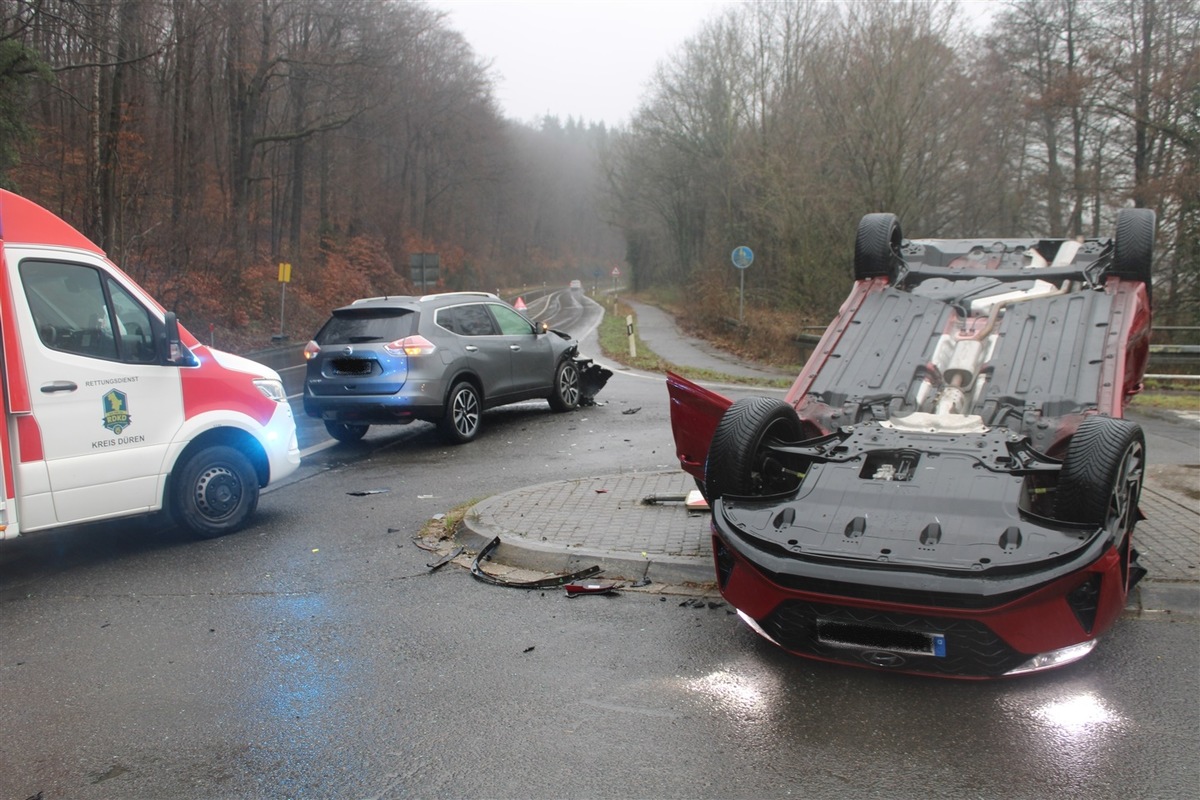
(442, 358)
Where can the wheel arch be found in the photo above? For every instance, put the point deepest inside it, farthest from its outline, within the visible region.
(463, 375)
(242, 441)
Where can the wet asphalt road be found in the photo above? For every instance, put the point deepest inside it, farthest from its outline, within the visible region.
(315, 655)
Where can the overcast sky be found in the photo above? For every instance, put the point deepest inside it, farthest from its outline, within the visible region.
(588, 59)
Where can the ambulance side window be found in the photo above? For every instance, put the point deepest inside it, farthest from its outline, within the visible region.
(135, 336)
(73, 314)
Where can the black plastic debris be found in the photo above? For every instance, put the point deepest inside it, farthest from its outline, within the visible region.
(365, 492)
(633, 410)
(446, 559)
(541, 583)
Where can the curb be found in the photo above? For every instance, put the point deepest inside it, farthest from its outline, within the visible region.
(516, 550)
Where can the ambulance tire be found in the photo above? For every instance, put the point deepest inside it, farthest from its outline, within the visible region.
(214, 492)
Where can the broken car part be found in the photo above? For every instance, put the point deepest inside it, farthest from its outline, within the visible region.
(541, 583)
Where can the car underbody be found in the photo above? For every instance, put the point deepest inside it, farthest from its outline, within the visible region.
(948, 487)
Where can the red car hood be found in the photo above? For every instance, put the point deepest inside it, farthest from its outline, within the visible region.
(695, 412)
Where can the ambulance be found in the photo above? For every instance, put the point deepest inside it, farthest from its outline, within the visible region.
(111, 407)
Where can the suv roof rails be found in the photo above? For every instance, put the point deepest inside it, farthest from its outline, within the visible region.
(443, 295)
(408, 298)
(383, 299)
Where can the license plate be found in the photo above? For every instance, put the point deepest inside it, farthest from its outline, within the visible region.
(870, 637)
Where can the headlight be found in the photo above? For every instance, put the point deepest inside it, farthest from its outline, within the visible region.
(1055, 658)
(272, 388)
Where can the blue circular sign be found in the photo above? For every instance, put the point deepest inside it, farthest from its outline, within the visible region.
(742, 257)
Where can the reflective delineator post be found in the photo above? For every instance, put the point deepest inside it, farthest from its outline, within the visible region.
(629, 330)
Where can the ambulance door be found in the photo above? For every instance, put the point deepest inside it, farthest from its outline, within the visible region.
(105, 404)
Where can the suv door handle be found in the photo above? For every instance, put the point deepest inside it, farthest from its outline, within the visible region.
(470, 348)
(58, 386)
(514, 347)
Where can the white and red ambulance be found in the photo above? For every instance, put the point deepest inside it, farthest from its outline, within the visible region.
(111, 408)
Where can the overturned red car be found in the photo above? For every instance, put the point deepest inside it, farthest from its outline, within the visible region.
(949, 487)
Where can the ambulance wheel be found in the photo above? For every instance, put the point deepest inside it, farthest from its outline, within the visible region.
(214, 492)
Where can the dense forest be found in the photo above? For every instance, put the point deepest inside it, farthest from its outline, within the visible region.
(781, 123)
(202, 142)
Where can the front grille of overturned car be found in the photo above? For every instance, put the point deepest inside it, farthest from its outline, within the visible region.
(725, 562)
(1084, 600)
(971, 648)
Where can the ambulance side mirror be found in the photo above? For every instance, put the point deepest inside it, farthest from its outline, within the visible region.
(176, 354)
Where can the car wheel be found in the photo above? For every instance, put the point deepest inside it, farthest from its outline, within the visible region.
(346, 431)
(214, 492)
(1133, 245)
(464, 413)
(565, 395)
(739, 458)
(877, 247)
(1101, 477)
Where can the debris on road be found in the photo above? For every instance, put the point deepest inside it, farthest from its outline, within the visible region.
(365, 492)
(541, 583)
(699, 602)
(693, 500)
(446, 559)
(656, 499)
(590, 587)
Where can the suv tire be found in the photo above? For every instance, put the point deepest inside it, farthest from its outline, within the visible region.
(565, 394)
(346, 431)
(464, 414)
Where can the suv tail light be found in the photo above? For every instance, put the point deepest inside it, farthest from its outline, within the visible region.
(410, 346)
(311, 350)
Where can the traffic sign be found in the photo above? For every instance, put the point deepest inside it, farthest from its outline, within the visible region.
(616, 273)
(742, 257)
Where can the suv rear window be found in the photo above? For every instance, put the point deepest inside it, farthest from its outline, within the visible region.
(359, 326)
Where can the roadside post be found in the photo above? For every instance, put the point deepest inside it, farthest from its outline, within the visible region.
(424, 269)
(742, 257)
(629, 331)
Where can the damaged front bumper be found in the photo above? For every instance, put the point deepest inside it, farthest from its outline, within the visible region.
(592, 378)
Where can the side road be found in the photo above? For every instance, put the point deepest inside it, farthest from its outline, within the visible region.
(636, 528)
